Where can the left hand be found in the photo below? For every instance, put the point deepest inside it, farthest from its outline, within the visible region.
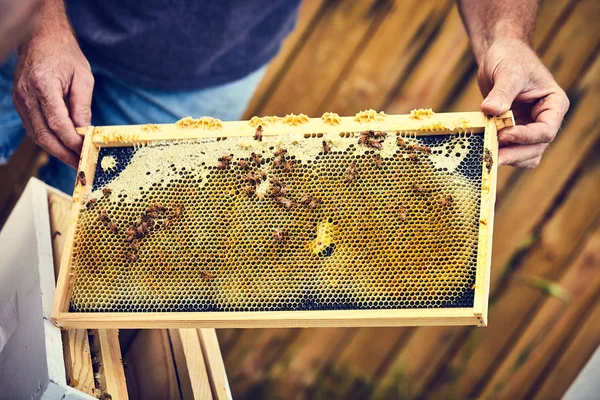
(512, 77)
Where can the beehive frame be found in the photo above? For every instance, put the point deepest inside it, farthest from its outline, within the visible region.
(207, 128)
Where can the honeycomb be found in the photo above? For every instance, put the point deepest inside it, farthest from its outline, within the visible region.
(358, 220)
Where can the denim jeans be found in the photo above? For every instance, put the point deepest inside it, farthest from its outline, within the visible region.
(118, 103)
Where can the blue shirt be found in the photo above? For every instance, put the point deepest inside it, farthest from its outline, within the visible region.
(181, 44)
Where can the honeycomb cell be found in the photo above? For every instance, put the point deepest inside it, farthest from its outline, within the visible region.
(355, 227)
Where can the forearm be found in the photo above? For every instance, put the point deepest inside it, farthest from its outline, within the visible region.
(487, 21)
(52, 20)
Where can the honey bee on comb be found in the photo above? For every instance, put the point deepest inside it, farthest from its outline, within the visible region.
(81, 178)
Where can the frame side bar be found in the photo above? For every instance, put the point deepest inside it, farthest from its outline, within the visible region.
(486, 225)
(87, 164)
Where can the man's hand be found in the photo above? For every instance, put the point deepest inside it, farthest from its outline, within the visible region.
(53, 89)
(512, 77)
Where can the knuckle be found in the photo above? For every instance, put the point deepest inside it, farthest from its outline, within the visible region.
(38, 79)
(547, 137)
(54, 122)
(41, 137)
(20, 91)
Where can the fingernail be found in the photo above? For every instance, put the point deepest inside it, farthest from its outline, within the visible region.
(496, 103)
(507, 138)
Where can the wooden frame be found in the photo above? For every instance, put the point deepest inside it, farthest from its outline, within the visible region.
(417, 124)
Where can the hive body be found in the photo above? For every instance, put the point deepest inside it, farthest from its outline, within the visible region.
(294, 222)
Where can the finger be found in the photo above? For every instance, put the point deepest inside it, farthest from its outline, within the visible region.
(531, 163)
(35, 125)
(511, 155)
(507, 87)
(55, 112)
(548, 115)
(80, 99)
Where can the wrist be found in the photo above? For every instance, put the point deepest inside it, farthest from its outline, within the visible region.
(506, 39)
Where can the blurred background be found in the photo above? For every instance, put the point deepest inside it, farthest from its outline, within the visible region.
(544, 320)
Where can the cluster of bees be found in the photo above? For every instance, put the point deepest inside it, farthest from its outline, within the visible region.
(413, 149)
(147, 223)
(278, 190)
(373, 139)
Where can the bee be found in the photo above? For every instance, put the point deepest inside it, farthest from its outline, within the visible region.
(245, 165)
(249, 190)
(206, 275)
(179, 210)
(113, 227)
(279, 235)
(160, 208)
(131, 256)
(81, 178)
(139, 232)
(91, 203)
(279, 188)
(106, 192)
(277, 161)
(103, 216)
(314, 203)
(410, 148)
(326, 148)
(351, 173)
(378, 134)
(400, 142)
(250, 177)
(262, 176)
(306, 199)
(418, 188)
(224, 162)
(259, 133)
(374, 143)
(377, 160)
(403, 213)
(285, 202)
(167, 223)
(280, 152)
(55, 234)
(288, 166)
(363, 139)
(447, 201)
(414, 158)
(488, 159)
(131, 234)
(256, 158)
(423, 149)
(135, 245)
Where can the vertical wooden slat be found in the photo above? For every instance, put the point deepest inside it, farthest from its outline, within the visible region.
(111, 363)
(214, 364)
(196, 366)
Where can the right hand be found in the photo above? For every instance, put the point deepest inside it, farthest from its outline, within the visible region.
(53, 93)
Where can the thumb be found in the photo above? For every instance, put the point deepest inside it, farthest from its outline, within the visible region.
(499, 100)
